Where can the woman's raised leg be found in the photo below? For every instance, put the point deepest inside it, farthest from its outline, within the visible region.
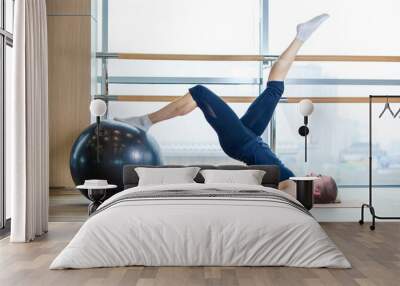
(230, 130)
(304, 30)
(261, 110)
(232, 134)
(179, 107)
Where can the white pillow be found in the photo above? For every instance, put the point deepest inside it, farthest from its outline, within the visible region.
(247, 177)
(166, 176)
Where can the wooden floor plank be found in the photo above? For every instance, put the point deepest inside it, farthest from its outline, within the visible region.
(375, 257)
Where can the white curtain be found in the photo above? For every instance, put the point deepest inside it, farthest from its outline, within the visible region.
(28, 123)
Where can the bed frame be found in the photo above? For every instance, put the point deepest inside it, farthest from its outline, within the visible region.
(270, 179)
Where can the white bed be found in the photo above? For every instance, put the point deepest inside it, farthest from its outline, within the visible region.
(250, 225)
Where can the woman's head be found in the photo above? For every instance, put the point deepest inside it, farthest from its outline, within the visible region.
(325, 189)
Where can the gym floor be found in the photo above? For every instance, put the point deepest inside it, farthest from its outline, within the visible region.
(375, 255)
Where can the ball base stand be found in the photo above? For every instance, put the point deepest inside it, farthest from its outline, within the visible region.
(97, 197)
(304, 193)
(374, 216)
(92, 207)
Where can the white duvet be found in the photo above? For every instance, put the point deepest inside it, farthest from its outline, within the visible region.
(200, 231)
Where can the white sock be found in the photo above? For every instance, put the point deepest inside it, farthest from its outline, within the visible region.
(305, 30)
(143, 122)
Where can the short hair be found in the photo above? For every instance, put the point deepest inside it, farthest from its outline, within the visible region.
(325, 189)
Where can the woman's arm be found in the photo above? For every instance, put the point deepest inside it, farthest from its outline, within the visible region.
(288, 187)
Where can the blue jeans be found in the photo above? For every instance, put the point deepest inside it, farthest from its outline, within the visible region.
(240, 137)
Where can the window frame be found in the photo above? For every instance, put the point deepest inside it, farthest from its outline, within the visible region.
(6, 39)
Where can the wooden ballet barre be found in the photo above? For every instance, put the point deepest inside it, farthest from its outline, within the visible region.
(340, 99)
(199, 57)
(246, 99)
(338, 58)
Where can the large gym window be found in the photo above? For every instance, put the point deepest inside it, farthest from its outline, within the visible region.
(338, 131)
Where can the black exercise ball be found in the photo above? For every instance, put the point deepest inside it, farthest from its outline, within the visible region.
(118, 144)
